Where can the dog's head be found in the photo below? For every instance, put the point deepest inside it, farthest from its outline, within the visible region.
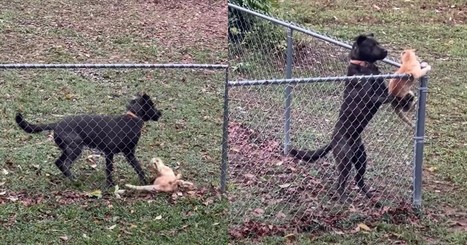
(142, 106)
(366, 48)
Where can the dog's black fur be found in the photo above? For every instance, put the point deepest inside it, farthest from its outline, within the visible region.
(109, 134)
(361, 101)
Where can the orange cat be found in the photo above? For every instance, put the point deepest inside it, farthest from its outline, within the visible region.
(401, 88)
(166, 180)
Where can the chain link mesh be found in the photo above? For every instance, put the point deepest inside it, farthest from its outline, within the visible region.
(270, 192)
(190, 106)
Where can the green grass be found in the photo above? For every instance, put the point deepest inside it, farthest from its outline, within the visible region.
(438, 32)
(37, 204)
(93, 220)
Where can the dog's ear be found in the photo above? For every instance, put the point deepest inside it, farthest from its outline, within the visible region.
(145, 96)
(360, 39)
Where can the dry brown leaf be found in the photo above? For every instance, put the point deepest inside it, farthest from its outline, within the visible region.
(362, 226)
(64, 238)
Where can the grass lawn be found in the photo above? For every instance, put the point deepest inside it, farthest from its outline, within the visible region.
(437, 30)
(37, 205)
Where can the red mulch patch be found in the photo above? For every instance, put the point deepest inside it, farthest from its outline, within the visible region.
(274, 194)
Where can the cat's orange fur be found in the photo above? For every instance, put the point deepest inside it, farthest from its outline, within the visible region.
(401, 87)
(166, 180)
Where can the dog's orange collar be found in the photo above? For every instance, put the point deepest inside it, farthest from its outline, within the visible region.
(359, 62)
(131, 114)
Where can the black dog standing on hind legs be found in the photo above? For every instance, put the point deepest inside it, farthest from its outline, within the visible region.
(361, 101)
(109, 134)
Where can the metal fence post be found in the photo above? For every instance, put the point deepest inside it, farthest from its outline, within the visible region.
(288, 91)
(419, 143)
(225, 134)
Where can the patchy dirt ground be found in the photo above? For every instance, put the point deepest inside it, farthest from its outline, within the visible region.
(273, 194)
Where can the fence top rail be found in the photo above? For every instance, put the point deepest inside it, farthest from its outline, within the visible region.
(293, 81)
(302, 30)
(110, 66)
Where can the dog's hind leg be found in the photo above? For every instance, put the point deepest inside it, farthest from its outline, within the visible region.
(61, 164)
(131, 158)
(360, 161)
(71, 146)
(64, 162)
(343, 153)
(109, 167)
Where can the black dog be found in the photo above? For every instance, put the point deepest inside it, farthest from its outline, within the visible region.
(361, 101)
(109, 134)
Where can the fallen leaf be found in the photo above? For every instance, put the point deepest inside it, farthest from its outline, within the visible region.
(208, 201)
(290, 236)
(258, 212)
(64, 238)
(5, 172)
(12, 198)
(432, 169)
(249, 176)
(2, 183)
(376, 7)
(111, 227)
(158, 217)
(280, 215)
(362, 226)
(284, 185)
(339, 232)
(96, 193)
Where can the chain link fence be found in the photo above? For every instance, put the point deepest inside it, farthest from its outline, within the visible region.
(144, 111)
(271, 192)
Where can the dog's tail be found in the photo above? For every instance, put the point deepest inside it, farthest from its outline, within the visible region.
(32, 128)
(311, 156)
